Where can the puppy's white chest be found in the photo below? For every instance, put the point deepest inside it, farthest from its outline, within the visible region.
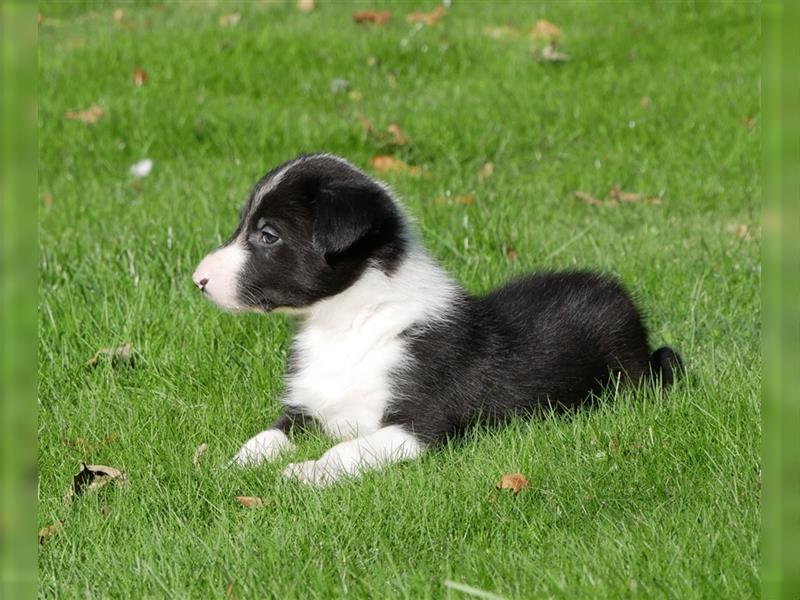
(342, 377)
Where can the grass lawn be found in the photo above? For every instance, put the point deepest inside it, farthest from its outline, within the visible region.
(649, 496)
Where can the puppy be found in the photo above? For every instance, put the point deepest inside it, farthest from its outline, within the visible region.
(392, 355)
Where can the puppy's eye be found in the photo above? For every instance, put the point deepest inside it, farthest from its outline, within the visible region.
(268, 236)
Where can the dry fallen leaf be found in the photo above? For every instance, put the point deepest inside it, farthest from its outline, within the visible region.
(231, 20)
(39, 18)
(46, 532)
(748, 121)
(501, 32)
(644, 102)
(250, 501)
(486, 171)
(47, 198)
(513, 481)
(589, 199)
(512, 255)
(371, 16)
(119, 355)
(399, 137)
(118, 14)
(198, 454)
(139, 76)
(466, 199)
(545, 30)
(389, 164)
(430, 18)
(105, 510)
(550, 54)
(92, 477)
(229, 595)
(305, 6)
(91, 115)
(366, 124)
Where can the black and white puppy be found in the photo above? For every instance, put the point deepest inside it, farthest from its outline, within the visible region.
(392, 355)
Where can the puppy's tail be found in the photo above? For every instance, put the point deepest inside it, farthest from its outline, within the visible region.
(665, 365)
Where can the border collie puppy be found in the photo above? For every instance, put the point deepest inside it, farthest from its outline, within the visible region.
(392, 355)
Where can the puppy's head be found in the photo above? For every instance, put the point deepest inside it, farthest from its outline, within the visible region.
(308, 231)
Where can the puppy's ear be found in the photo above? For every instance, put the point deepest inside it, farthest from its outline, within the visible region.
(346, 215)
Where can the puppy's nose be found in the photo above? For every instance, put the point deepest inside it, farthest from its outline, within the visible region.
(200, 281)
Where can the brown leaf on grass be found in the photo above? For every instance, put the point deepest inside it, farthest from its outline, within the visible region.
(250, 501)
(465, 199)
(105, 510)
(550, 54)
(588, 198)
(139, 76)
(741, 231)
(230, 20)
(389, 164)
(85, 446)
(92, 477)
(46, 532)
(512, 255)
(617, 194)
(229, 595)
(485, 172)
(501, 32)
(118, 14)
(305, 6)
(515, 482)
(366, 124)
(47, 199)
(545, 30)
(90, 116)
(39, 18)
(644, 102)
(198, 454)
(399, 137)
(748, 121)
(118, 355)
(372, 16)
(430, 18)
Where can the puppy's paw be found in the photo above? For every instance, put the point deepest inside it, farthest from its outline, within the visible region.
(311, 472)
(264, 447)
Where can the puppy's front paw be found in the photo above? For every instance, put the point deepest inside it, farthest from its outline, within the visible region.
(265, 446)
(311, 472)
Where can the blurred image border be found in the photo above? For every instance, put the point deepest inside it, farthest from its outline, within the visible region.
(18, 298)
(780, 546)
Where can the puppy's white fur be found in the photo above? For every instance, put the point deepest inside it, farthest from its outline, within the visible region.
(385, 446)
(346, 349)
(221, 269)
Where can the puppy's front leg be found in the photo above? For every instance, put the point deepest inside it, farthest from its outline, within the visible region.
(386, 446)
(271, 442)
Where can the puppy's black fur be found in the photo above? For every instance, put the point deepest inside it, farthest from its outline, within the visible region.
(550, 340)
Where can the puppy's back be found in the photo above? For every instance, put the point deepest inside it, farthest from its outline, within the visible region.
(549, 339)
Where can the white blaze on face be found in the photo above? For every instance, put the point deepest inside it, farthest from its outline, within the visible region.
(218, 275)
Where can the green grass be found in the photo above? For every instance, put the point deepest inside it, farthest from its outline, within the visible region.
(648, 496)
